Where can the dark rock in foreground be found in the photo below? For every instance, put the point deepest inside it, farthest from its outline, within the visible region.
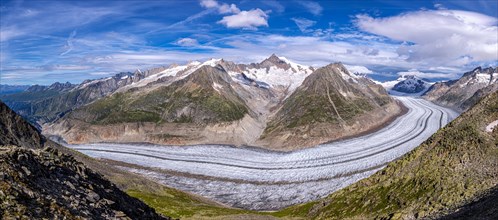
(45, 183)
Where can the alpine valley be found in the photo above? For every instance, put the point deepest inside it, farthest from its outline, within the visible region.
(276, 104)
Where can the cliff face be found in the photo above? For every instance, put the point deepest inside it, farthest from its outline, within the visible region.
(14, 130)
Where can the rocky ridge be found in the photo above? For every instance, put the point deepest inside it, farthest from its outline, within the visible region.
(14, 130)
(463, 93)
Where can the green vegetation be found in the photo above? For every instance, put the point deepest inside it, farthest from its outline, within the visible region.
(305, 108)
(178, 204)
(112, 110)
(180, 102)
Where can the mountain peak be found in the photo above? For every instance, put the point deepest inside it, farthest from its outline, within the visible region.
(478, 70)
(274, 59)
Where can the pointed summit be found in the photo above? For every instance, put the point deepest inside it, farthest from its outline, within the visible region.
(273, 60)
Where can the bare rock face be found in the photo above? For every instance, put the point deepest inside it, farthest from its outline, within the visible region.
(273, 60)
(14, 130)
(38, 184)
(463, 93)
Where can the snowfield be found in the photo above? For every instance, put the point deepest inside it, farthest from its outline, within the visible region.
(258, 179)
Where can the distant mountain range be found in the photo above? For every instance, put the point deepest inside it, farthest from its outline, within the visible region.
(407, 84)
(452, 175)
(216, 101)
(11, 89)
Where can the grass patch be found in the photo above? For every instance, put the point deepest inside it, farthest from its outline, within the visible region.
(179, 205)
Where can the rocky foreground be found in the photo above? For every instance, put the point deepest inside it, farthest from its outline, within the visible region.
(40, 182)
(45, 183)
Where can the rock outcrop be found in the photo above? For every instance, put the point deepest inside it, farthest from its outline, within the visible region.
(14, 130)
(38, 184)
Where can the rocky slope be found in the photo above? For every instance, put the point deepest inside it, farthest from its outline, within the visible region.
(38, 182)
(330, 104)
(47, 184)
(463, 93)
(14, 130)
(447, 172)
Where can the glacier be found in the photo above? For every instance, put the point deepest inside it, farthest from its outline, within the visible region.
(259, 179)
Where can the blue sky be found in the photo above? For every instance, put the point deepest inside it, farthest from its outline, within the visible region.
(47, 41)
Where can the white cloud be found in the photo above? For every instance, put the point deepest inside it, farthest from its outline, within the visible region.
(358, 69)
(7, 33)
(222, 8)
(246, 19)
(239, 19)
(187, 42)
(303, 24)
(226, 9)
(312, 7)
(69, 43)
(428, 75)
(441, 37)
(209, 3)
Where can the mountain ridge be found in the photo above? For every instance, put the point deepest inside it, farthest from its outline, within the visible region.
(462, 93)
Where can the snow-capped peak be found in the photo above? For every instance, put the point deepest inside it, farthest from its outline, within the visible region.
(278, 72)
(407, 84)
(211, 62)
(296, 66)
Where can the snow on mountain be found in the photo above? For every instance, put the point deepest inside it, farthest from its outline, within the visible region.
(480, 76)
(278, 71)
(407, 84)
(176, 71)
